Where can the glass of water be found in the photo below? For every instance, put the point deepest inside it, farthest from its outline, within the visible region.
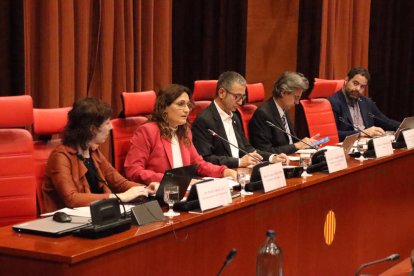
(305, 162)
(243, 178)
(171, 196)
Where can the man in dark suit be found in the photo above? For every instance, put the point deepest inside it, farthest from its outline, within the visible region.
(351, 106)
(287, 92)
(222, 117)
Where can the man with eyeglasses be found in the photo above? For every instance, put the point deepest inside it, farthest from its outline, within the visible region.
(287, 91)
(356, 110)
(222, 118)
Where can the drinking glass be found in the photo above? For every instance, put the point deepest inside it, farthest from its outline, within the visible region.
(305, 161)
(361, 147)
(171, 196)
(243, 178)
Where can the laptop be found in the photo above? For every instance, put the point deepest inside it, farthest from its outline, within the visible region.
(48, 227)
(407, 123)
(348, 142)
(181, 177)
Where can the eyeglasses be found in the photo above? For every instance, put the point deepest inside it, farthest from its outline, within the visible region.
(183, 104)
(237, 97)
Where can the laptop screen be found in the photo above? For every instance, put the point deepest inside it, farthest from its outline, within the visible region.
(178, 176)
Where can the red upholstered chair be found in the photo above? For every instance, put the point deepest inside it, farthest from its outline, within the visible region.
(137, 106)
(324, 88)
(318, 110)
(204, 92)
(17, 178)
(255, 94)
(47, 122)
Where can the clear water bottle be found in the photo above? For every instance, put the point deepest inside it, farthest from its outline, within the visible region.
(269, 257)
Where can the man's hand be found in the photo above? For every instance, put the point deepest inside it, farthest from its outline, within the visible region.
(374, 131)
(248, 160)
(300, 145)
(280, 158)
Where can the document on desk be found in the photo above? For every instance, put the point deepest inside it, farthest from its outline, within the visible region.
(213, 194)
(273, 177)
(382, 146)
(336, 160)
(409, 138)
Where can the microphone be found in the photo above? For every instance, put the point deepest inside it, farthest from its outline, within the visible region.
(379, 119)
(391, 257)
(293, 136)
(240, 149)
(354, 126)
(228, 260)
(106, 184)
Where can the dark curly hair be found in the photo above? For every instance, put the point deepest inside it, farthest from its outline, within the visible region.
(165, 97)
(85, 113)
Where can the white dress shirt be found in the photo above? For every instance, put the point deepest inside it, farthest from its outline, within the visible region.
(228, 128)
(176, 151)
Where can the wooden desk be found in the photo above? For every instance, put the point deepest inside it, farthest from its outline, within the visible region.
(373, 205)
(400, 269)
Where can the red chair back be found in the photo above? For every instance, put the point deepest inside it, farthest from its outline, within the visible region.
(16, 111)
(325, 88)
(255, 94)
(320, 119)
(137, 108)
(46, 122)
(204, 92)
(17, 179)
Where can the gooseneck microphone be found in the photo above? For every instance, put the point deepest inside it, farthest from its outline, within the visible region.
(379, 119)
(228, 260)
(293, 136)
(354, 126)
(391, 257)
(106, 184)
(213, 133)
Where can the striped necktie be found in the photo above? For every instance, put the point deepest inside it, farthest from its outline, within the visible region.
(285, 124)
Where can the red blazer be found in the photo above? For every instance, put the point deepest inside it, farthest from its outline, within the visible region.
(149, 156)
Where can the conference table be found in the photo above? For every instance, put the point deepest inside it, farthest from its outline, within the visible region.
(327, 224)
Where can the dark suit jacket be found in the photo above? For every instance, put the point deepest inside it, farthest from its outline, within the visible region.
(213, 149)
(265, 137)
(366, 105)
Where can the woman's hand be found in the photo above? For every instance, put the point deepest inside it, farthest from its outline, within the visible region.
(133, 193)
(231, 173)
(153, 188)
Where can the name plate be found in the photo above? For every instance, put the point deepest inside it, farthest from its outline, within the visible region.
(213, 194)
(336, 160)
(273, 177)
(409, 138)
(382, 146)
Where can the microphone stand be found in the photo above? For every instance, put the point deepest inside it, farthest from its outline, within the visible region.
(354, 126)
(240, 149)
(228, 260)
(293, 136)
(392, 257)
(379, 119)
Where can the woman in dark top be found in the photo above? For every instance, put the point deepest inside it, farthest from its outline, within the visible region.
(77, 173)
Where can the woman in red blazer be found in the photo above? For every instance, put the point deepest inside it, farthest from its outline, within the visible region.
(165, 142)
